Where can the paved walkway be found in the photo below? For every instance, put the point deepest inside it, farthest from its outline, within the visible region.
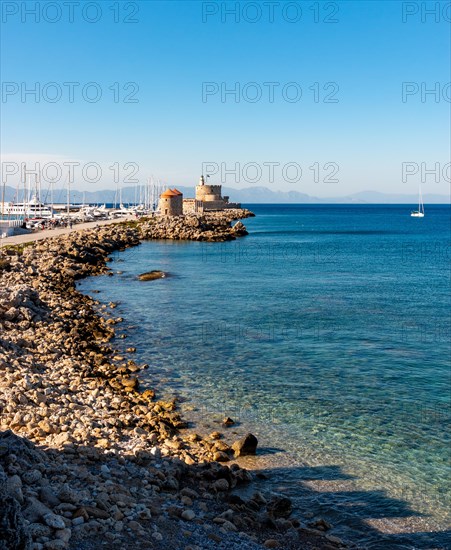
(48, 233)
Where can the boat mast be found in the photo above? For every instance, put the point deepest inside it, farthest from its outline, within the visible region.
(51, 197)
(28, 205)
(38, 193)
(25, 194)
(68, 195)
(3, 197)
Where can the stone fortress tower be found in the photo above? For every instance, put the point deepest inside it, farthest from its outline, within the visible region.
(210, 196)
(208, 193)
(171, 203)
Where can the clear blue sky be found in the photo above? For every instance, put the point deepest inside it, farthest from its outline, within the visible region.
(174, 48)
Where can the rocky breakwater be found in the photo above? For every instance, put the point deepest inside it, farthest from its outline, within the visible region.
(89, 457)
(211, 227)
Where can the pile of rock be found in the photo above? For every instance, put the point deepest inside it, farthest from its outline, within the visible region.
(212, 227)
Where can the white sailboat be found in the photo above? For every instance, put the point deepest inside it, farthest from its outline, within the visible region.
(420, 212)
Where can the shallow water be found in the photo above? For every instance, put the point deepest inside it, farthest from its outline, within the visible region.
(327, 332)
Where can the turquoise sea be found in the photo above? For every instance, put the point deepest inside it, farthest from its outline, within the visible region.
(327, 333)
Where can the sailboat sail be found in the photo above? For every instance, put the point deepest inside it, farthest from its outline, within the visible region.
(420, 212)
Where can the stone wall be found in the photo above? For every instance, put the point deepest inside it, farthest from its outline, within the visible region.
(192, 206)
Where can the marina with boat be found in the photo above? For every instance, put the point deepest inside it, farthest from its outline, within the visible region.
(28, 211)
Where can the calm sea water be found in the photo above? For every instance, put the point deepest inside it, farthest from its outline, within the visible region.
(327, 332)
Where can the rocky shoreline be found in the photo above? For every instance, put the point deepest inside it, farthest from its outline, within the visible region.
(90, 459)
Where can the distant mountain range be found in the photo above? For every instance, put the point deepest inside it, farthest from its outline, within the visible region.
(249, 195)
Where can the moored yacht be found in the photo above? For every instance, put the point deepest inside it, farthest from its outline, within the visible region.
(32, 209)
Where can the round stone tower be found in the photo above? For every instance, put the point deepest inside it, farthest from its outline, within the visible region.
(171, 203)
(178, 201)
(208, 193)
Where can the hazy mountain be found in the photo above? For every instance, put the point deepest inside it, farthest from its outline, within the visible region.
(376, 197)
(248, 195)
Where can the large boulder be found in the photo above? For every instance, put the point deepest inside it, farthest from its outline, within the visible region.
(280, 507)
(239, 229)
(152, 275)
(247, 445)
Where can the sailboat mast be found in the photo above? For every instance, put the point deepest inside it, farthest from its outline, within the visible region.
(3, 198)
(68, 195)
(28, 196)
(25, 193)
(38, 193)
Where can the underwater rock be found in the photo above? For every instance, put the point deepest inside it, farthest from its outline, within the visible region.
(152, 275)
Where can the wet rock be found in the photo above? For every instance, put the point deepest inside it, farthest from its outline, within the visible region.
(152, 275)
(271, 543)
(321, 524)
(246, 445)
(221, 485)
(221, 446)
(259, 498)
(280, 507)
(131, 382)
(148, 394)
(334, 539)
(220, 456)
(239, 229)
